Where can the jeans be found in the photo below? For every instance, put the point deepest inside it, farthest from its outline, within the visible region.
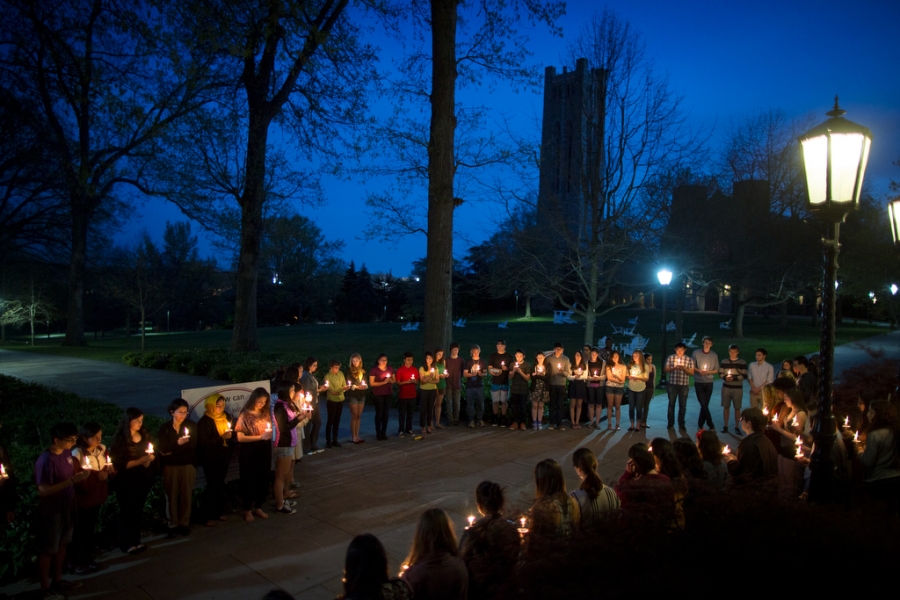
(382, 412)
(557, 404)
(405, 407)
(681, 391)
(636, 405)
(517, 407)
(335, 409)
(312, 428)
(475, 403)
(451, 404)
(427, 398)
(704, 393)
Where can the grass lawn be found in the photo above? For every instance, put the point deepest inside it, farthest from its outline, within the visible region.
(533, 335)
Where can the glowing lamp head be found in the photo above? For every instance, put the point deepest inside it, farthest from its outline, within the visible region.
(894, 214)
(664, 276)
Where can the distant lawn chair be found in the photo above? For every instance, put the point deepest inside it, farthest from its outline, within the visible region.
(503, 325)
(616, 330)
(725, 324)
(638, 342)
(633, 321)
(629, 331)
(459, 322)
(410, 326)
(690, 342)
(563, 317)
(670, 326)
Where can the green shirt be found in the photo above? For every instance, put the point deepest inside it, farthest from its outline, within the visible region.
(442, 382)
(336, 383)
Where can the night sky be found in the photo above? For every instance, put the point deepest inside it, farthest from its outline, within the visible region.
(727, 60)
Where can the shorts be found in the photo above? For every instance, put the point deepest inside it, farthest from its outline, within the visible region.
(284, 452)
(755, 400)
(614, 391)
(55, 528)
(499, 388)
(356, 401)
(732, 396)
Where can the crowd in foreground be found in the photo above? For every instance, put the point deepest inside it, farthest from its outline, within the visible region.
(74, 474)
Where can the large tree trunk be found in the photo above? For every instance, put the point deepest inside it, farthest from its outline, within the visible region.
(77, 267)
(244, 337)
(739, 313)
(441, 171)
(679, 313)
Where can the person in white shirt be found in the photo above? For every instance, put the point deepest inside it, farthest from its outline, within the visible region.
(761, 374)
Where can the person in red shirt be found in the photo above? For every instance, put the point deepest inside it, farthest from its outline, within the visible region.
(407, 382)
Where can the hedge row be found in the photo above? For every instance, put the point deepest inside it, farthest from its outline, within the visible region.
(215, 363)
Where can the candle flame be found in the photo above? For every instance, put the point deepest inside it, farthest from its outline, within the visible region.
(775, 418)
(794, 422)
(87, 463)
(471, 520)
(726, 450)
(799, 441)
(522, 521)
(856, 437)
(766, 410)
(268, 426)
(2, 470)
(847, 423)
(150, 448)
(186, 434)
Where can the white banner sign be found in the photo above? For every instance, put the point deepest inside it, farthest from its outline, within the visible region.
(235, 395)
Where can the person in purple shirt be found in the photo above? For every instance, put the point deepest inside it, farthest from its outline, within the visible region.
(54, 474)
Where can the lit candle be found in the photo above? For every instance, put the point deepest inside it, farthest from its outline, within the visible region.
(516, 366)
(471, 520)
(856, 437)
(775, 418)
(522, 521)
(87, 464)
(502, 363)
(187, 434)
(798, 441)
(726, 450)
(3, 474)
(413, 376)
(109, 462)
(326, 383)
(268, 427)
(150, 448)
(847, 423)
(595, 373)
(766, 410)
(794, 422)
(227, 425)
(559, 365)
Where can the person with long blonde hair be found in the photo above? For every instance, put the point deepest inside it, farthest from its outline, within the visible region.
(433, 568)
(356, 395)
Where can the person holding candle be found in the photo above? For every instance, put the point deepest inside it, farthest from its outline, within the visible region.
(454, 366)
(214, 453)
(474, 371)
(554, 513)
(132, 458)
(733, 371)
(790, 426)
(356, 395)
(558, 370)
(760, 374)
(598, 502)
(616, 373)
(381, 382)
(407, 380)
(254, 434)
(520, 376)
(710, 449)
(651, 387)
(178, 456)
(9, 484)
(637, 375)
(317, 398)
(757, 458)
(667, 464)
(679, 369)
(428, 378)
(596, 388)
(694, 472)
(294, 374)
(56, 478)
(366, 572)
(440, 367)
(499, 363)
(540, 390)
(434, 569)
(646, 495)
(881, 455)
(490, 546)
(89, 455)
(286, 416)
(577, 388)
(706, 365)
(336, 386)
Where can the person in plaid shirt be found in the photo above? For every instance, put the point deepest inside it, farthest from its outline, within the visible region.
(679, 369)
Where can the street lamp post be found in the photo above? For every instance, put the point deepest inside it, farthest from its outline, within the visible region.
(665, 278)
(834, 163)
(894, 214)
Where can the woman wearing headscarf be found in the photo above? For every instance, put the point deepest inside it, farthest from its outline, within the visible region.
(214, 433)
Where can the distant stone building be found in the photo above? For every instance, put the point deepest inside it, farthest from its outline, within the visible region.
(570, 139)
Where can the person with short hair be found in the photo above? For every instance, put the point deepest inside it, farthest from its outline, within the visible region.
(757, 458)
(499, 363)
(434, 569)
(428, 379)
(520, 377)
(540, 392)
(178, 456)
(366, 572)
(596, 388)
(356, 395)
(732, 371)
(679, 369)
(134, 476)
(88, 455)
(473, 371)
(317, 397)
(454, 367)
(558, 369)
(381, 378)
(55, 476)
(214, 449)
(336, 387)
(760, 375)
(407, 381)
(806, 380)
(706, 365)
(254, 434)
(554, 512)
(598, 502)
(490, 546)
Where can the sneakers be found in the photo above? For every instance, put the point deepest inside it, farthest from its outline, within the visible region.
(286, 510)
(481, 423)
(410, 432)
(400, 434)
(515, 425)
(551, 426)
(737, 431)
(521, 426)
(725, 429)
(472, 424)
(561, 428)
(496, 422)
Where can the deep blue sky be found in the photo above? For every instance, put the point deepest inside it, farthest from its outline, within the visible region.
(726, 59)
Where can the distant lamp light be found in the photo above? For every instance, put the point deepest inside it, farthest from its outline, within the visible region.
(837, 284)
(894, 289)
(872, 297)
(894, 215)
(664, 276)
(835, 154)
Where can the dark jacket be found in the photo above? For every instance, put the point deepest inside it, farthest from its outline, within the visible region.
(756, 459)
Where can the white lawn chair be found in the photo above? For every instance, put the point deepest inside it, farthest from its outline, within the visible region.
(503, 325)
(629, 331)
(725, 324)
(601, 343)
(410, 326)
(616, 330)
(633, 321)
(690, 342)
(670, 326)
(639, 342)
(459, 322)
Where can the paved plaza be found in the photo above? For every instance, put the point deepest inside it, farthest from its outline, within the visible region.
(375, 487)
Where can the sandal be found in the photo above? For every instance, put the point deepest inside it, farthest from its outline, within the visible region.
(631, 429)
(212, 523)
(286, 510)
